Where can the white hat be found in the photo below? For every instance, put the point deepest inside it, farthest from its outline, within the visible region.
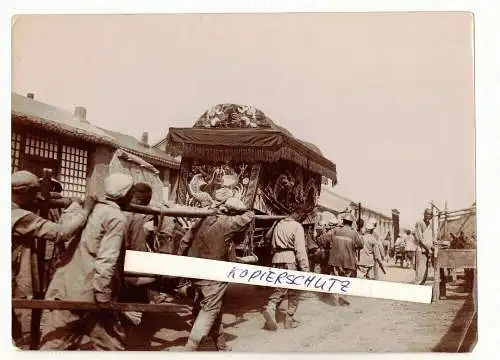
(117, 185)
(234, 203)
(223, 194)
(24, 179)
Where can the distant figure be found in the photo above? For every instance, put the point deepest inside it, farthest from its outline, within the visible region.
(410, 248)
(370, 254)
(344, 242)
(318, 250)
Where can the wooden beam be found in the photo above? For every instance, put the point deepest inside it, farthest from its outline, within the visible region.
(39, 278)
(457, 258)
(188, 212)
(80, 305)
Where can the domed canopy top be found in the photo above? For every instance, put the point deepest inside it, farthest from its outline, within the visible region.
(234, 116)
(242, 116)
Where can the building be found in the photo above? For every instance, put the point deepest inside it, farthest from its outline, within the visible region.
(79, 154)
(44, 136)
(332, 202)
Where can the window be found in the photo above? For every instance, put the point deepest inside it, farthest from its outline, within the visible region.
(15, 145)
(41, 146)
(73, 174)
(42, 150)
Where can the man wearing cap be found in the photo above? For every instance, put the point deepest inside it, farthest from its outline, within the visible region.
(370, 254)
(424, 241)
(289, 252)
(26, 227)
(344, 242)
(92, 274)
(315, 250)
(213, 238)
(323, 245)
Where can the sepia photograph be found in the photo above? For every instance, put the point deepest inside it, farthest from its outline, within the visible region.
(245, 182)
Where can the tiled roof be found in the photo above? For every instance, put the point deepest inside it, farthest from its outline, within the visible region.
(328, 199)
(151, 154)
(53, 119)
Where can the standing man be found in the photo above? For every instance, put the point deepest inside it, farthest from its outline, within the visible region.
(136, 238)
(370, 254)
(93, 274)
(213, 238)
(344, 243)
(381, 244)
(289, 252)
(410, 249)
(424, 242)
(318, 252)
(26, 228)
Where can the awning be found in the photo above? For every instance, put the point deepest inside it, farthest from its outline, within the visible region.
(249, 145)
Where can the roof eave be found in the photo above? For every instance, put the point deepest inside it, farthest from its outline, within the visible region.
(173, 164)
(63, 129)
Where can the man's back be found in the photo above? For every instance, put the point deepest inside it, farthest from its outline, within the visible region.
(370, 251)
(93, 267)
(289, 244)
(343, 244)
(135, 235)
(211, 239)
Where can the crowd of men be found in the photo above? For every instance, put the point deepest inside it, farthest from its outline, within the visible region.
(92, 235)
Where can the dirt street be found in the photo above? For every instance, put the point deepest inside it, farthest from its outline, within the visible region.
(367, 325)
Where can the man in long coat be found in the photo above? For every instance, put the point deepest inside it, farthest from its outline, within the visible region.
(93, 274)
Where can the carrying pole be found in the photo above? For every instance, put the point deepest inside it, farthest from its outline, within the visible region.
(39, 260)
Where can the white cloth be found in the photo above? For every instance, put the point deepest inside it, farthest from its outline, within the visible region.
(235, 204)
(117, 185)
(411, 244)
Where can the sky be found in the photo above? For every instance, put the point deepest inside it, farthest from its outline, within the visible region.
(389, 98)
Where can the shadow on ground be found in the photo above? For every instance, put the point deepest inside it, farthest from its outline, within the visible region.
(451, 341)
(240, 300)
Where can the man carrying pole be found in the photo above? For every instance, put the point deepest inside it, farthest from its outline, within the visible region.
(92, 274)
(213, 238)
(26, 228)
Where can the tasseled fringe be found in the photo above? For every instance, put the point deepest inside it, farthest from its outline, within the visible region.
(249, 154)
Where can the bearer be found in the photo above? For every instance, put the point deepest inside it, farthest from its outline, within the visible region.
(213, 238)
(26, 227)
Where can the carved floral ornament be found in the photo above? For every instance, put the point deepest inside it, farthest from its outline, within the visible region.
(233, 116)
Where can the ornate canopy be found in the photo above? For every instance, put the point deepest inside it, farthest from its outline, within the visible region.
(231, 132)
